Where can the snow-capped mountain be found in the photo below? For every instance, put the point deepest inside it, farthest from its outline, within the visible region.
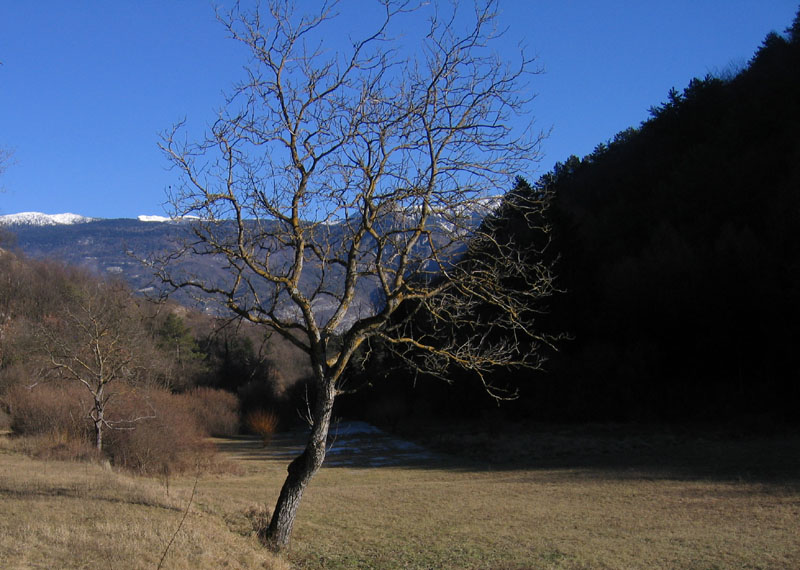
(40, 219)
(116, 247)
(147, 218)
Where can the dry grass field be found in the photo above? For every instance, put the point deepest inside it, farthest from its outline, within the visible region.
(575, 499)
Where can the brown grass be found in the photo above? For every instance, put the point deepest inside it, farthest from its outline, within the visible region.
(628, 509)
(259, 517)
(68, 515)
(647, 502)
(5, 422)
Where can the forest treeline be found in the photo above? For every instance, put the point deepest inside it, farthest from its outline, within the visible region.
(678, 260)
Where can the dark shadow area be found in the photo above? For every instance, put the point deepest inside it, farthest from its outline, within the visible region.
(613, 451)
(719, 453)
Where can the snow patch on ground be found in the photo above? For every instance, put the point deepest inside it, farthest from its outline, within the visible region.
(359, 444)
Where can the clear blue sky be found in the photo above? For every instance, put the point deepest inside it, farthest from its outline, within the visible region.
(86, 86)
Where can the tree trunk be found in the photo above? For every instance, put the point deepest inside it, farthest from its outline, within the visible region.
(301, 470)
(98, 426)
(98, 433)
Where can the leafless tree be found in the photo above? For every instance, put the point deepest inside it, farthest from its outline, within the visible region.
(329, 170)
(96, 340)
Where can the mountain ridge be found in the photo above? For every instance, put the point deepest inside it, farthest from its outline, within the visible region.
(120, 247)
(41, 219)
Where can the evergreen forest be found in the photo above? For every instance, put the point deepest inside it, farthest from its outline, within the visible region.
(677, 249)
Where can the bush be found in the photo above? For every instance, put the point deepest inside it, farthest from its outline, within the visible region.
(53, 408)
(53, 421)
(263, 423)
(166, 438)
(216, 411)
(152, 430)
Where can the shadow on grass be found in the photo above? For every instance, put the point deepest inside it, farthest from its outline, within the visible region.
(286, 445)
(617, 451)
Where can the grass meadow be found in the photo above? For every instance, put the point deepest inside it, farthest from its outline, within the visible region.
(573, 499)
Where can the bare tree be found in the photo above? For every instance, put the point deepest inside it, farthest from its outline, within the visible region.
(96, 340)
(329, 173)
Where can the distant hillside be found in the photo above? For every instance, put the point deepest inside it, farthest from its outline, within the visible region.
(118, 247)
(108, 247)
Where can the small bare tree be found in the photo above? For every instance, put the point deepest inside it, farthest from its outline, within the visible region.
(96, 340)
(330, 173)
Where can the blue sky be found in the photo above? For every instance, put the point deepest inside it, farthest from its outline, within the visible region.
(87, 86)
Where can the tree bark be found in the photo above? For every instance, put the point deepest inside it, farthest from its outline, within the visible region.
(98, 417)
(301, 470)
(98, 433)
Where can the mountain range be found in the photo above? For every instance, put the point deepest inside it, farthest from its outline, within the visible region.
(114, 247)
(118, 248)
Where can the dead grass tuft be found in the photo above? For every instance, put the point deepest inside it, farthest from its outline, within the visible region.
(259, 517)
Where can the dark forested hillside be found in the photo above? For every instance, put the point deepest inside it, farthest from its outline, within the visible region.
(679, 245)
(680, 249)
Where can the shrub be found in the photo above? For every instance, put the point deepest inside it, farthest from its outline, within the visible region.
(166, 437)
(216, 411)
(262, 423)
(152, 431)
(52, 420)
(53, 408)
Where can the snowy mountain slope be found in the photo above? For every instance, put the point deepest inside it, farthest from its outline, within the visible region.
(40, 219)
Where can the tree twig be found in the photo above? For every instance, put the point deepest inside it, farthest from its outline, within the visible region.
(180, 525)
